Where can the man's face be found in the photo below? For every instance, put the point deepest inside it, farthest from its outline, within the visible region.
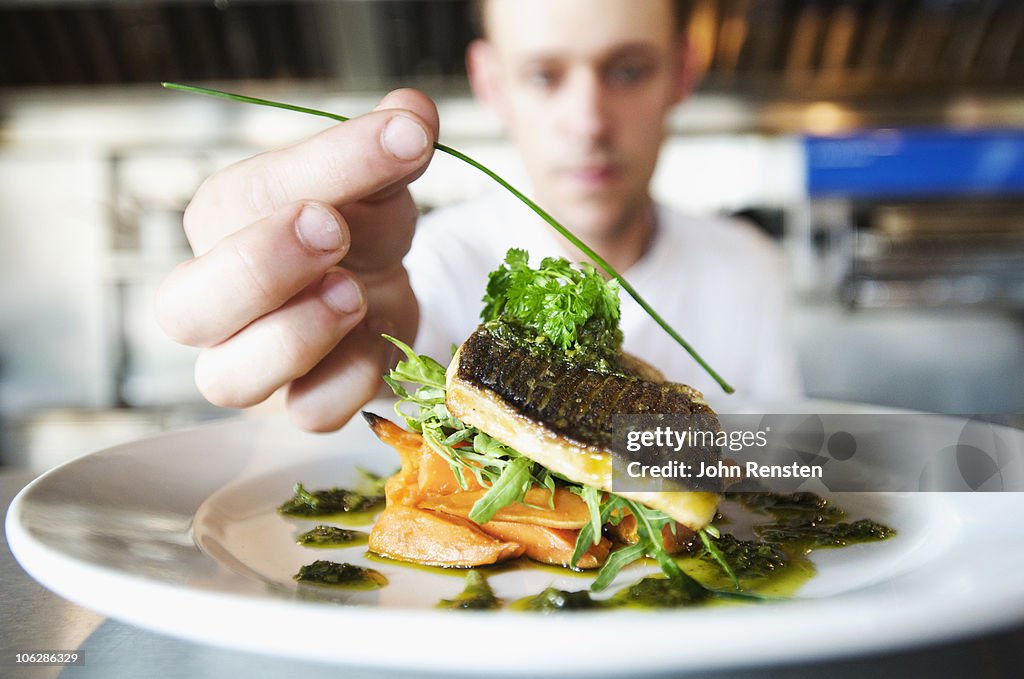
(583, 88)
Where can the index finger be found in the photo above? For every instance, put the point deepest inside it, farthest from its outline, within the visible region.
(345, 163)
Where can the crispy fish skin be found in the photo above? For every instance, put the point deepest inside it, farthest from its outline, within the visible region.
(561, 417)
(571, 401)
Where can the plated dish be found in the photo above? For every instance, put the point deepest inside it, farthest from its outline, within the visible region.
(181, 534)
(512, 451)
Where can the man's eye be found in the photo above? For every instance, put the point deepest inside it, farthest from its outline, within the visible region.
(543, 79)
(626, 74)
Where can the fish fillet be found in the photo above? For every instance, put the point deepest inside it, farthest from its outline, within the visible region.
(561, 416)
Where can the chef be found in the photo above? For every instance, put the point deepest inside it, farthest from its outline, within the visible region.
(305, 255)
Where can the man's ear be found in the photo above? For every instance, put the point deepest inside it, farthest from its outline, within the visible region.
(482, 69)
(688, 71)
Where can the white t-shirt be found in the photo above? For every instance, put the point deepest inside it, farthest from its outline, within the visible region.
(718, 282)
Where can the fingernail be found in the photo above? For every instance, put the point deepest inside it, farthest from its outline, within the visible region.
(404, 138)
(318, 229)
(341, 293)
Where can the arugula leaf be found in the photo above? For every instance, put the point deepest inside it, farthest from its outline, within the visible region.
(592, 496)
(507, 474)
(510, 487)
(584, 541)
(601, 512)
(650, 523)
(618, 560)
(488, 445)
(416, 368)
(716, 554)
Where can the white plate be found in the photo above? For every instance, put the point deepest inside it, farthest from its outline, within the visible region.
(178, 534)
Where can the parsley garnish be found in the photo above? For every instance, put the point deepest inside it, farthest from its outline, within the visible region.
(572, 310)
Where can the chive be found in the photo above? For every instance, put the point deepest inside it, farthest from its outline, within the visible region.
(568, 235)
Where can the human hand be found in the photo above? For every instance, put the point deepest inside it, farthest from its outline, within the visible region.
(298, 266)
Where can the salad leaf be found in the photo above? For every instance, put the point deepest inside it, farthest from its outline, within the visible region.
(510, 487)
(708, 537)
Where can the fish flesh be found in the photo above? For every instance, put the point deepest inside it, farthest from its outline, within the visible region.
(561, 416)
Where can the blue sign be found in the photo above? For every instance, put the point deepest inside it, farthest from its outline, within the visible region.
(916, 163)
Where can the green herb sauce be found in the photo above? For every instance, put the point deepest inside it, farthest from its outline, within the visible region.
(344, 575)
(477, 596)
(327, 537)
(652, 592)
(809, 534)
(596, 349)
(332, 502)
(775, 562)
(772, 565)
(659, 592)
(749, 558)
(790, 505)
(806, 521)
(553, 600)
(783, 580)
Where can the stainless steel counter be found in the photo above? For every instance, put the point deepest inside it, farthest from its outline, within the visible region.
(32, 618)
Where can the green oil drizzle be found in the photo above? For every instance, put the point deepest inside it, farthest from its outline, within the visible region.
(783, 580)
(455, 571)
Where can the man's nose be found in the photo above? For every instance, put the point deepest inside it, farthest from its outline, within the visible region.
(585, 108)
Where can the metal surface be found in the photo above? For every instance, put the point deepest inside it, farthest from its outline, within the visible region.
(800, 48)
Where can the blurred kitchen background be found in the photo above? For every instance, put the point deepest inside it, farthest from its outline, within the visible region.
(881, 142)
